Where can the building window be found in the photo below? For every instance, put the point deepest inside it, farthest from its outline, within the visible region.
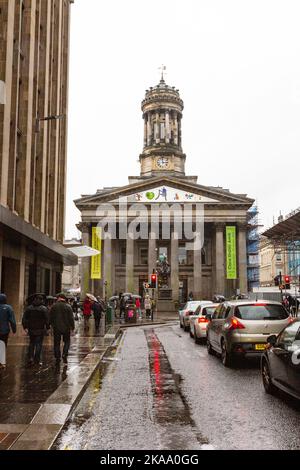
(144, 256)
(123, 255)
(278, 257)
(182, 255)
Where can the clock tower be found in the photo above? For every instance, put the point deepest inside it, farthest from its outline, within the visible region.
(162, 113)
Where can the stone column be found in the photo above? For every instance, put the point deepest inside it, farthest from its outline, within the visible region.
(176, 130)
(242, 254)
(174, 266)
(168, 134)
(130, 263)
(86, 262)
(157, 129)
(145, 131)
(197, 291)
(152, 255)
(220, 259)
(149, 129)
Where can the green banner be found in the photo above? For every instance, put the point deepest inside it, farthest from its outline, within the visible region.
(231, 265)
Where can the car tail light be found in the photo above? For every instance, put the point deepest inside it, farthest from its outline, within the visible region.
(202, 320)
(235, 324)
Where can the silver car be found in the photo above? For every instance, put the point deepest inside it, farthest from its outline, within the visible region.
(199, 321)
(188, 310)
(242, 327)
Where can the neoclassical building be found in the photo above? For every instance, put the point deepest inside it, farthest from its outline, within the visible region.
(164, 205)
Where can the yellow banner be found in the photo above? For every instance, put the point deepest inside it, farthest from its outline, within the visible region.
(231, 264)
(96, 260)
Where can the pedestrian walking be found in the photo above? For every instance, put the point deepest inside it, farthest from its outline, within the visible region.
(7, 324)
(97, 310)
(122, 306)
(75, 309)
(138, 307)
(148, 306)
(87, 312)
(35, 322)
(191, 296)
(62, 322)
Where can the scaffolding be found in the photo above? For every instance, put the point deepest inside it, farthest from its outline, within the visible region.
(253, 263)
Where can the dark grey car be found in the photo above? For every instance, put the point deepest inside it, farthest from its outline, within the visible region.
(242, 327)
(280, 364)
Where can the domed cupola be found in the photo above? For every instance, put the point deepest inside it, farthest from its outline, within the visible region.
(162, 113)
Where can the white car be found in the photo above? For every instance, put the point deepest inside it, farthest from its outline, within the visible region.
(198, 321)
(188, 310)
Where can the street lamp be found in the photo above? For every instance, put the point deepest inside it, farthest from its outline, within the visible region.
(48, 118)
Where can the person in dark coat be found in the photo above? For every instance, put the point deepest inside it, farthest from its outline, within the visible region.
(97, 310)
(62, 322)
(7, 323)
(35, 322)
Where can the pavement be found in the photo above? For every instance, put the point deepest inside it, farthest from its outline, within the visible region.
(35, 402)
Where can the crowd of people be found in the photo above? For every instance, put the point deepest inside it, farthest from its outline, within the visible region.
(141, 305)
(41, 315)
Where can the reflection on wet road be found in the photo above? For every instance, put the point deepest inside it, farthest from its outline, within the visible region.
(24, 388)
(159, 390)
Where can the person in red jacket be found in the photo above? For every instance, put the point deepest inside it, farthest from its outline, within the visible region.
(138, 307)
(87, 312)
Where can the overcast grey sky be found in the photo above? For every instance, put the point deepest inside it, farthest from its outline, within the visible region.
(236, 64)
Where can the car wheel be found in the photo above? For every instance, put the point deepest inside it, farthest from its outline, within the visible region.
(196, 339)
(210, 350)
(226, 357)
(266, 377)
(186, 328)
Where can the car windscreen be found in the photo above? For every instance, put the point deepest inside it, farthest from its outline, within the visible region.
(261, 312)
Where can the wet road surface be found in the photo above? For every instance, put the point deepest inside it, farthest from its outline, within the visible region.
(158, 390)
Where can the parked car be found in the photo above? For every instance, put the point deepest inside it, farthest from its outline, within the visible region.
(280, 363)
(199, 321)
(242, 327)
(188, 310)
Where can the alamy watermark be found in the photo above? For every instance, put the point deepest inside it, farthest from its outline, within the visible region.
(164, 221)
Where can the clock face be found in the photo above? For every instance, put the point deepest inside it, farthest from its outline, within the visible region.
(162, 162)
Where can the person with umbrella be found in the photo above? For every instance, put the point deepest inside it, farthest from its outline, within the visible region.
(97, 309)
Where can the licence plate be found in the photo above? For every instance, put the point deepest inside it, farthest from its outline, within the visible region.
(260, 347)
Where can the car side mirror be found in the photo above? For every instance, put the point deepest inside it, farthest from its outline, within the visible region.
(272, 340)
(209, 317)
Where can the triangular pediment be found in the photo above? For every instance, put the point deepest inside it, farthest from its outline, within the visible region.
(164, 189)
(164, 193)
